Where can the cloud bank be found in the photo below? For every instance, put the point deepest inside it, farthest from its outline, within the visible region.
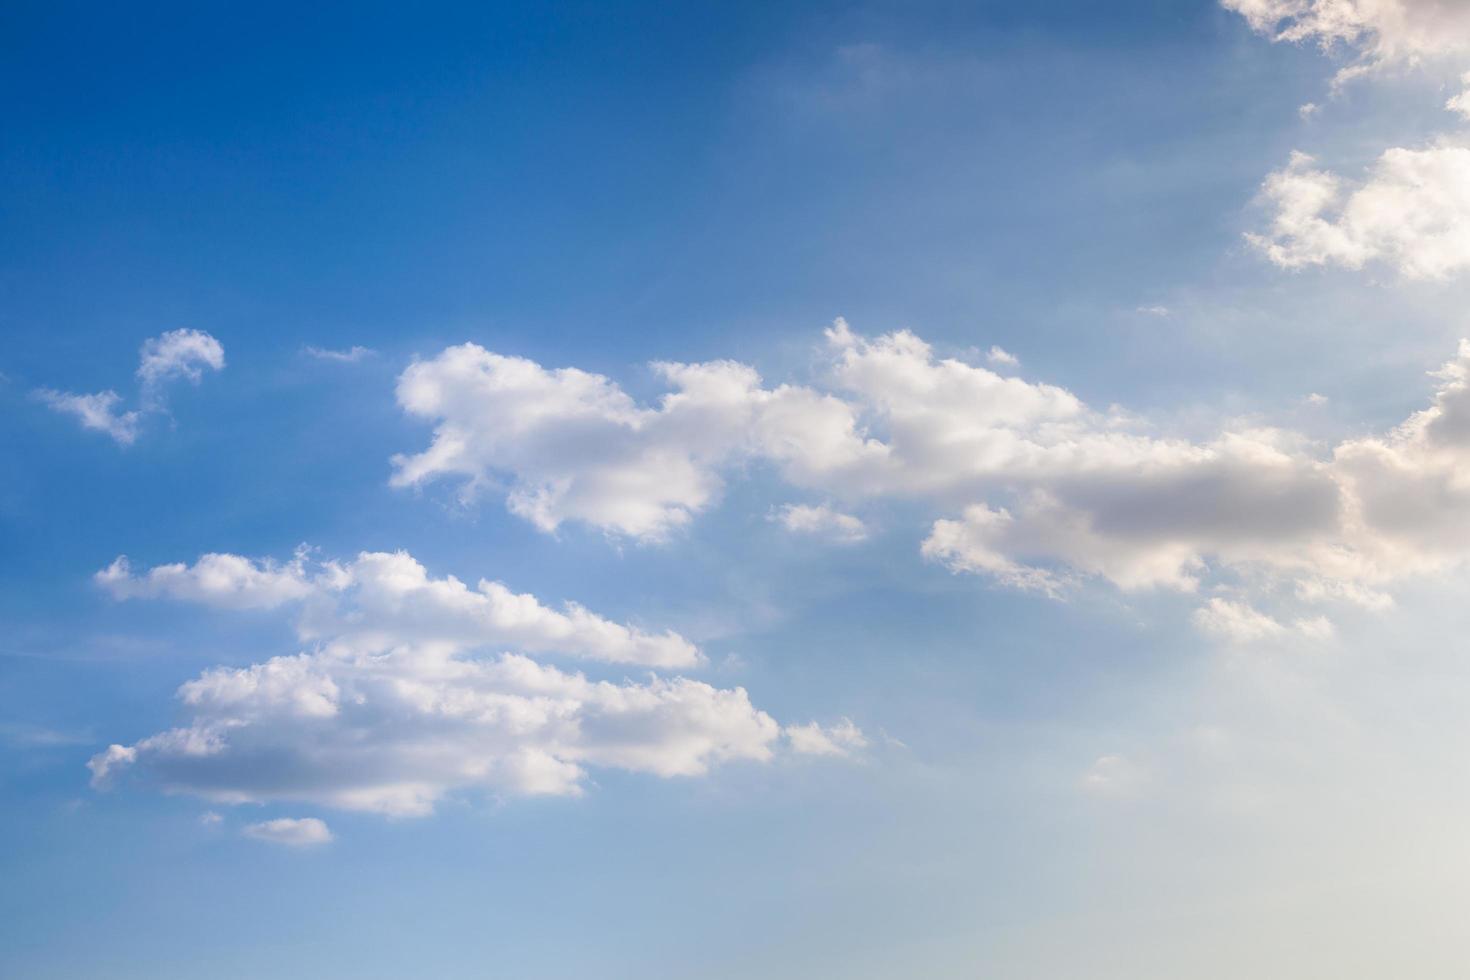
(415, 687)
(1033, 488)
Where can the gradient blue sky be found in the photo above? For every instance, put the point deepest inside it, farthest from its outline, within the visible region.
(1103, 782)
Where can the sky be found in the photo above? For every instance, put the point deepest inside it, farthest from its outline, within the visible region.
(778, 490)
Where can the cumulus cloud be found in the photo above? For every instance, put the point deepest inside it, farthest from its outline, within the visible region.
(1381, 33)
(290, 832)
(574, 446)
(97, 412)
(408, 693)
(176, 354)
(1033, 488)
(383, 601)
(821, 521)
(998, 355)
(1412, 212)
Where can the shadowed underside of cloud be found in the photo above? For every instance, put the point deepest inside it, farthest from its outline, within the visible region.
(1045, 492)
(396, 706)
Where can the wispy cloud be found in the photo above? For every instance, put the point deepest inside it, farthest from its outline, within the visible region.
(171, 356)
(350, 356)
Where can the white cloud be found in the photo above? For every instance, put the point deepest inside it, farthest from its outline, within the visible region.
(1316, 400)
(1412, 212)
(210, 819)
(97, 412)
(395, 732)
(171, 355)
(821, 521)
(1382, 33)
(179, 354)
(1460, 104)
(227, 581)
(1308, 110)
(1005, 358)
(575, 446)
(291, 832)
(1155, 310)
(1048, 492)
(841, 739)
(403, 697)
(385, 601)
(1236, 621)
(350, 356)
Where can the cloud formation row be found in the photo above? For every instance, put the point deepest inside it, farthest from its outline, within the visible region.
(1041, 491)
(415, 687)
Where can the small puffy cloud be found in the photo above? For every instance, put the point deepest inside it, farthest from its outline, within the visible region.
(210, 819)
(821, 521)
(1154, 310)
(1316, 400)
(177, 354)
(1308, 110)
(1005, 358)
(226, 581)
(842, 739)
(352, 355)
(290, 832)
(97, 412)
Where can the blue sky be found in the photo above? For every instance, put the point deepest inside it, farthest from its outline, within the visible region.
(769, 490)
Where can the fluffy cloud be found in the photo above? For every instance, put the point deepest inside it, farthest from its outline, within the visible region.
(179, 354)
(1381, 32)
(169, 356)
(575, 446)
(1412, 212)
(1034, 488)
(291, 832)
(399, 701)
(97, 412)
(382, 601)
(821, 521)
